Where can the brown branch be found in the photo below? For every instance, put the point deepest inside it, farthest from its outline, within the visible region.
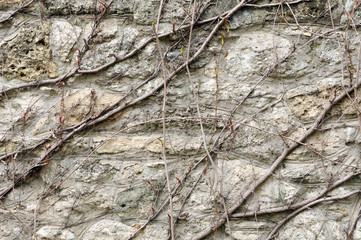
(15, 216)
(214, 146)
(297, 205)
(187, 196)
(277, 162)
(335, 198)
(102, 118)
(155, 29)
(118, 59)
(269, 71)
(196, 99)
(275, 4)
(72, 72)
(356, 102)
(296, 21)
(41, 161)
(38, 163)
(156, 213)
(39, 83)
(174, 192)
(26, 148)
(354, 216)
(286, 151)
(159, 16)
(116, 104)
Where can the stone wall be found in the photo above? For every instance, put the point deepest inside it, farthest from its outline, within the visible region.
(81, 134)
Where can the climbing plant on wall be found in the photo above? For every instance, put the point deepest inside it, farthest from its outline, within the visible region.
(180, 119)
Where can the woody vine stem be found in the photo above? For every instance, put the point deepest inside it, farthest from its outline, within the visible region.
(197, 35)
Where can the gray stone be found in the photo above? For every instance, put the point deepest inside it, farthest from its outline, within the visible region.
(107, 229)
(63, 36)
(67, 235)
(105, 181)
(145, 12)
(47, 232)
(246, 54)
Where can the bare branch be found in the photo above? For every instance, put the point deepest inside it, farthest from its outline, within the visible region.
(335, 198)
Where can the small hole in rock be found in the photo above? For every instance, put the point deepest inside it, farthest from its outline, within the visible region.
(42, 42)
(123, 205)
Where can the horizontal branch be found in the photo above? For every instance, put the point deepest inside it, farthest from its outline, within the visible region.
(296, 205)
(118, 59)
(278, 161)
(25, 149)
(40, 83)
(335, 198)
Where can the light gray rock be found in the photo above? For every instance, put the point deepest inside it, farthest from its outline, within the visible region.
(63, 36)
(47, 232)
(67, 235)
(245, 55)
(145, 12)
(107, 229)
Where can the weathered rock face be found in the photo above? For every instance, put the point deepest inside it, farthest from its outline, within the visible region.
(27, 54)
(63, 36)
(81, 146)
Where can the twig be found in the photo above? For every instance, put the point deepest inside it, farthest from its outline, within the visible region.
(276, 163)
(281, 223)
(52, 188)
(354, 216)
(356, 102)
(156, 213)
(296, 21)
(132, 90)
(300, 204)
(159, 16)
(70, 73)
(195, 96)
(163, 123)
(118, 59)
(39, 83)
(25, 149)
(17, 218)
(224, 204)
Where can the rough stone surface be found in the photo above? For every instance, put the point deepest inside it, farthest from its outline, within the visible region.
(47, 232)
(63, 36)
(27, 54)
(110, 176)
(107, 229)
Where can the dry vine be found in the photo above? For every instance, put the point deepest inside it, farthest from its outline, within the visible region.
(213, 145)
